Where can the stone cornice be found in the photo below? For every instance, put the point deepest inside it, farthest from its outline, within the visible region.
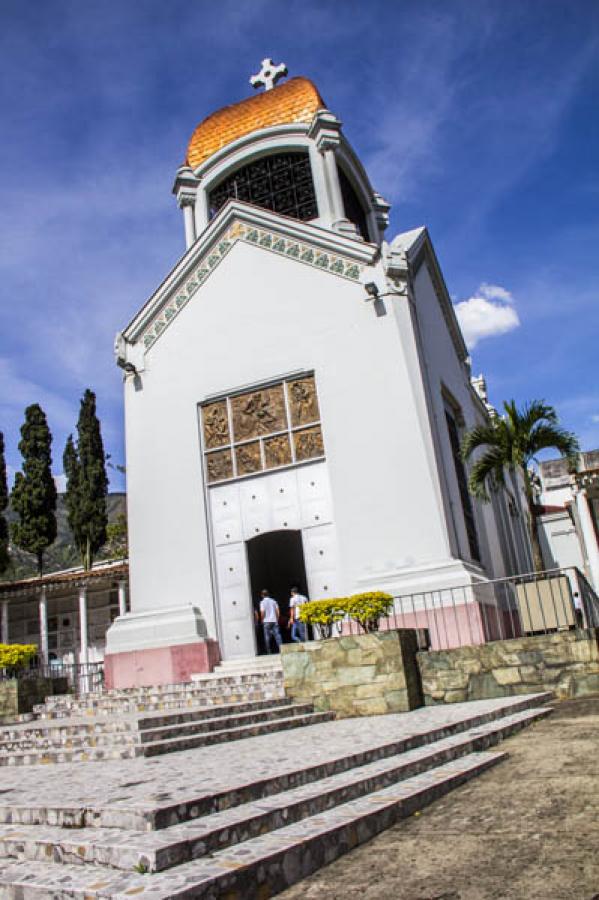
(422, 251)
(301, 242)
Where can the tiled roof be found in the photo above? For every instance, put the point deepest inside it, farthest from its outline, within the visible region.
(296, 100)
(102, 570)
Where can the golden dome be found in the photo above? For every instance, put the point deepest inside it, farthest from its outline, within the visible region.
(295, 100)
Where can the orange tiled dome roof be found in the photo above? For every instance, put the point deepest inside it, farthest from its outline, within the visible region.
(295, 100)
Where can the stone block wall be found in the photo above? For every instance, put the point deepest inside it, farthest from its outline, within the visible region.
(21, 695)
(566, 663)
(360, 675)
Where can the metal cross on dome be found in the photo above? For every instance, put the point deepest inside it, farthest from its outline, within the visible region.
(268, 75)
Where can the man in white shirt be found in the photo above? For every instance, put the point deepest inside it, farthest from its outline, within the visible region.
(269, 615)
(298, 629)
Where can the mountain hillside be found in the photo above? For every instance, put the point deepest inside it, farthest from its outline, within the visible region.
(62, 554)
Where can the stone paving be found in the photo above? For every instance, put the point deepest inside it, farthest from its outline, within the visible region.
(145, 783)
(243, 820)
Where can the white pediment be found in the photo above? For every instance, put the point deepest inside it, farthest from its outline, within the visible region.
(300, 242)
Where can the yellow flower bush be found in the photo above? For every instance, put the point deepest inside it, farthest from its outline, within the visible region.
(366, 609)
(14, 656)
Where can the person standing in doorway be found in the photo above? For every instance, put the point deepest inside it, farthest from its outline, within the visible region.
(269, 614)
(298, 628)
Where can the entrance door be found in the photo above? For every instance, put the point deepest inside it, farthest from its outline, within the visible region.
(276, 564)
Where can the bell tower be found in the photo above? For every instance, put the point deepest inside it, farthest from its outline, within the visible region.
(281, 150)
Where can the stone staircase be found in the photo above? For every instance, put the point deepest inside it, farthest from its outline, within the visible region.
(254, 835)
(229, 704)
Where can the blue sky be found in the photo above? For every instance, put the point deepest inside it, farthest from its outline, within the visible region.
(478, 119)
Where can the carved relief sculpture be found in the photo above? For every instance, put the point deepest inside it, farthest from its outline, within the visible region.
(303, 402)
(216, 424)
(277, 451)
(260, 412)
(248, 458)
(219, 466)
(308, 443)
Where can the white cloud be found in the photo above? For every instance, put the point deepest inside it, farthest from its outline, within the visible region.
(495, 292)
(489, 312)
(61, 483)
(595, 418)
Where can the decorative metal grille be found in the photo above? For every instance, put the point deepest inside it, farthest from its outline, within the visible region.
(282, 183)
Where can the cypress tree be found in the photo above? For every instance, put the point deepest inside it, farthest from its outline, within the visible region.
(34, 491)
(4, 556)
(87, 483)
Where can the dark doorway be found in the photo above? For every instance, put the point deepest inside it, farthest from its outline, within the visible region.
(276, 562)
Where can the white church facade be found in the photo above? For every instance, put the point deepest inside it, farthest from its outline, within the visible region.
(295, 394)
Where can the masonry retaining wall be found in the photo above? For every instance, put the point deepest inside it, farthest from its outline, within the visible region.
(357, 675)
(566, 662)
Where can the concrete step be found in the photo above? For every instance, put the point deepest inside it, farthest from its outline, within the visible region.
(260, 866)
(181, 726)
(299, 773)
(74, 727)
(159, 850)
(183, 741)
(214, 692)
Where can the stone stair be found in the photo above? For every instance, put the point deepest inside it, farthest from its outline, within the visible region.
(255, 837)
(223, 706)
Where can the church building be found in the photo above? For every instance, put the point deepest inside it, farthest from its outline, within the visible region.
(295, 394)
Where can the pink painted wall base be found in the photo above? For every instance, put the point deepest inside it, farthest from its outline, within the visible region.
(160, 665)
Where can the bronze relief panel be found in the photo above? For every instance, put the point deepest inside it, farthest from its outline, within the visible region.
(308, 443)
(248, 458)
(259, 412)
(277, 451)
(303, 402)
(216, 424)
(219, 465)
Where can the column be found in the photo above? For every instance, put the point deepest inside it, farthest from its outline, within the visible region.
(43, 648)
(122, 598)
(83, 654)
(5, 633)
(588, 535)
(332, 177)
(188, 217)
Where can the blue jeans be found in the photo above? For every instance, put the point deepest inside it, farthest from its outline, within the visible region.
(298, 631)
(271, 629)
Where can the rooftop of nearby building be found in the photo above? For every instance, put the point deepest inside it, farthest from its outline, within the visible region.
(113, 569)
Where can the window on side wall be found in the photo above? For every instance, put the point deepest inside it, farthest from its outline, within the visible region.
(462, 478)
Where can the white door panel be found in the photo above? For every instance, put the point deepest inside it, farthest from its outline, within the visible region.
(320, 554)
(314, 494)
(225, 503)
(228, 531)
(235, 604)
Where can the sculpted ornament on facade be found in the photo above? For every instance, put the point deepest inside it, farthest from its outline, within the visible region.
(277, 451)
(219, 465)
(258, 413)
(262, 429)
(216, 425)
(248, 458)
(308, 444)
(303, 401)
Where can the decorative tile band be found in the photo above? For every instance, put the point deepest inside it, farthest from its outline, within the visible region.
(269, 240)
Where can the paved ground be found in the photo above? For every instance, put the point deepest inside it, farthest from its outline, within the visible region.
(144, 783)
(526, 830)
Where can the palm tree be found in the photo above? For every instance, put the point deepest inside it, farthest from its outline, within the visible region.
(512, 442)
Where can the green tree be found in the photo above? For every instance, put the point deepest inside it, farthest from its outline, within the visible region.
(511, 443)
(116, 538)
(34, 493)
(87, 483)
(4, 554)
